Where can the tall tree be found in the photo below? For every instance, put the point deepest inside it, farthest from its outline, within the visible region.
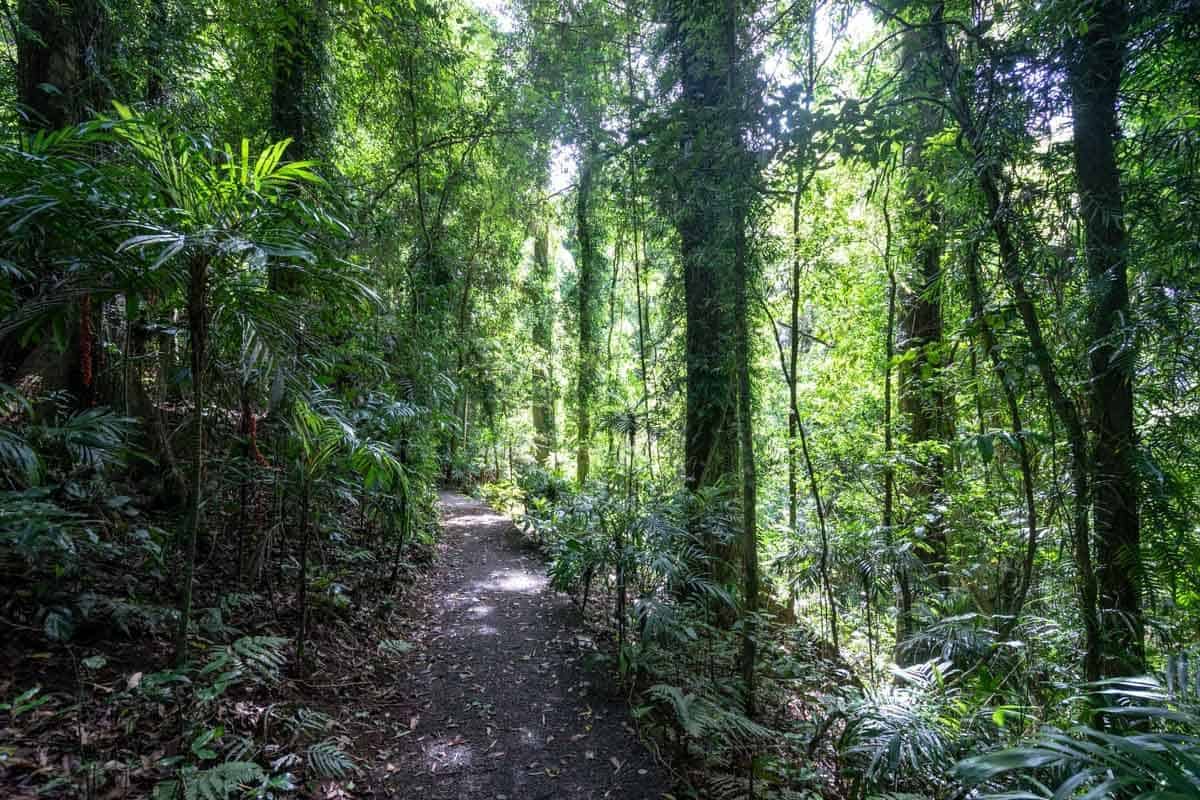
(588, 295)
(1095, 64)
(737, 81)
(924, 398)
(63, 49)
(542, 302)
(697, 34)
(1005, 227)
(300, 97)
(714, 174)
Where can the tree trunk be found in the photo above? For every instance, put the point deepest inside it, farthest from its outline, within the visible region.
(1001, 220)
(1095, 69)
(888, 523)
(299, 106)
(739, 178)
(923, 396)
(62, 50)
(999, 367)
(698, 34)
(302, 580)
(588, 287)
(792, 363)
(789, 375)
(542, 285)
(745, 405)
(300, 109)
(197, 313)
(59, 58)
(156, 71)
(399, 556)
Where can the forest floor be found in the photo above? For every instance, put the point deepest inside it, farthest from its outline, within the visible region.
(502, 702)
(491, 687)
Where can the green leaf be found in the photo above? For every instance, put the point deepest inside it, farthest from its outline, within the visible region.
(987, 447)
(26, 701)
(395, 647)
(329, 760)
(59, 625)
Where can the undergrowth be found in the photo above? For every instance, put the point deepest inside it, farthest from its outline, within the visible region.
(92, 703)
(959, 724)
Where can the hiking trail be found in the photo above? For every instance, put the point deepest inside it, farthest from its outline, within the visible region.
(499, 701)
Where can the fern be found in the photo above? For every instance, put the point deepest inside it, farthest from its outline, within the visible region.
(306, 719)
(240, 748)
(35, 527)
(328, 760)
(18, 457)
(259, 658)
(262, 656)
(395, 648)
(214, 783)
(903, 736)
(700, 717)
(94, 437)
(684, 706)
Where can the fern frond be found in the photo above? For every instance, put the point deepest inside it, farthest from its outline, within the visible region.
(214, 783)
(328, 760)
(306, 719)
(395, 648)
(263, 656)
(699, 716)
(684, 706)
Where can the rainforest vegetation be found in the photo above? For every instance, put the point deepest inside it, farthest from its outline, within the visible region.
(839, 359)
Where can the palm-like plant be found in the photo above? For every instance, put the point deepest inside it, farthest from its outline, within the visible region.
(322, 438)
(1157, 757)
(210, 215)
(385, 418)
(52, 209)
(318, 439)
(905, 735)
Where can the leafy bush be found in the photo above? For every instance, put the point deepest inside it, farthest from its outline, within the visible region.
(1149, 748)
(904, 736)
(538, 483)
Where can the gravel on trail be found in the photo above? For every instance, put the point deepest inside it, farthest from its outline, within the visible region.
(502, 702)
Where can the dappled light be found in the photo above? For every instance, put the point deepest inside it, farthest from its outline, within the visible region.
(447, 753)
(599, 399)
(520, 582)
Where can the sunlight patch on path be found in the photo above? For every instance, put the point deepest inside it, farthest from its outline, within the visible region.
(515, 581)
(448, 753)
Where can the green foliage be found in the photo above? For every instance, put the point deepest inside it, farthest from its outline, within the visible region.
(905, 736)
(218, 782)
(539, 484)
(1150, 748)
(701, 718)
(898, 190)
(395, 648)
(328, 760)
(25, 702)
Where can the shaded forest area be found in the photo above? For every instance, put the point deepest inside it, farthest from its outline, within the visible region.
(840, 358)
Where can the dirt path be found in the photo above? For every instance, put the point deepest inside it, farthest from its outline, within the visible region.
(501, 704)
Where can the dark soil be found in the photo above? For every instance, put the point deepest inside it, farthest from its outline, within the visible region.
(499, 700)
